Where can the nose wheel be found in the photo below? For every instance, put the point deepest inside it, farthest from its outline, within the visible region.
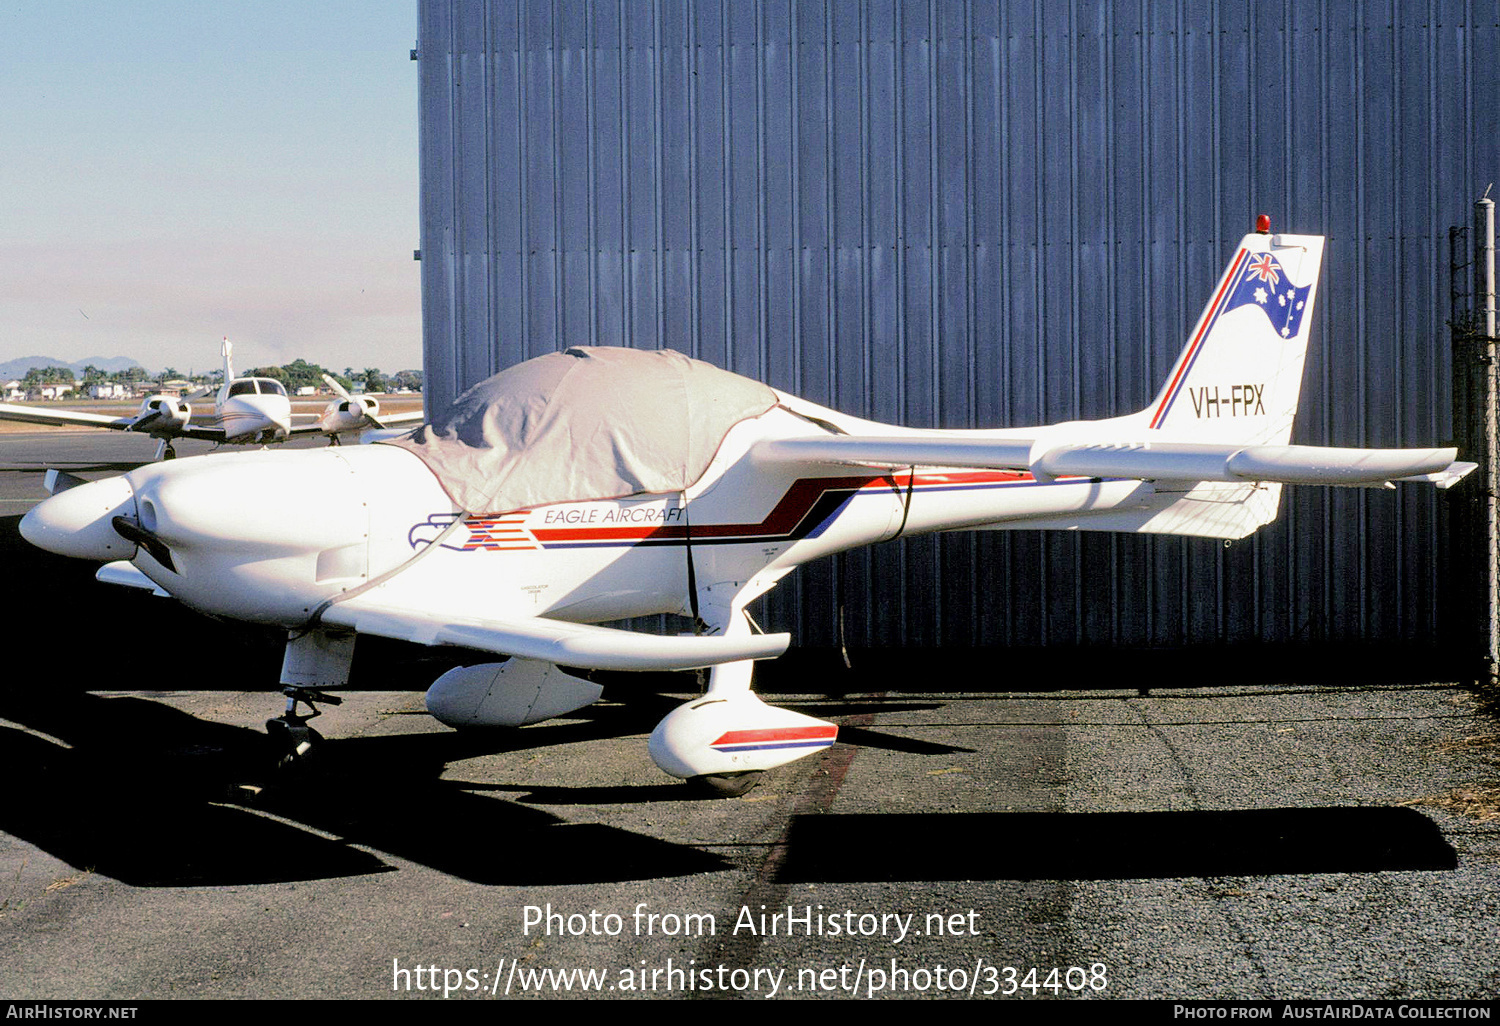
(725, 785)
(292, 740)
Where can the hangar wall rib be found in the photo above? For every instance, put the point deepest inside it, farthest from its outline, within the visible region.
(956, 214)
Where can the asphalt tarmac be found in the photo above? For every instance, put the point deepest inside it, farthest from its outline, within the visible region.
(1248, 841)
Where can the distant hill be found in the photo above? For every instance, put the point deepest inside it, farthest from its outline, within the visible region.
(18, 367)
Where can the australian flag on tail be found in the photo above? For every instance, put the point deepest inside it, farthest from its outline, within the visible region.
(1263, 283)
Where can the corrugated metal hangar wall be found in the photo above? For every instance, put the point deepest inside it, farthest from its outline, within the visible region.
(958, 214)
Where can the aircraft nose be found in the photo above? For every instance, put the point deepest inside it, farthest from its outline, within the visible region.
(256, 417)
(77, 522)
(276, 410)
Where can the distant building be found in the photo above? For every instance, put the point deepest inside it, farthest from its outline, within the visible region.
(108, 390)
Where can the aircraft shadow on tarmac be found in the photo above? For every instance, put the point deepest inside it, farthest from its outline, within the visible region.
(139, 795)
(141, 792)
(137, 792)
(1111, 846)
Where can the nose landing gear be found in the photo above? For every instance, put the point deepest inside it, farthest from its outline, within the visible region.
(292, 740)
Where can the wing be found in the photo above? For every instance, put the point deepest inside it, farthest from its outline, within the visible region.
(408, 417)
(63, 418)
(149, 423)
(1153, 461)
(386, 420)
(552, 641)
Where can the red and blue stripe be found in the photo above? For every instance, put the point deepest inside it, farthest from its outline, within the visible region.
(756, 740)
(1210, 318)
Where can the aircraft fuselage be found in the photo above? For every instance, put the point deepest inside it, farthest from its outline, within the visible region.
(271, 537)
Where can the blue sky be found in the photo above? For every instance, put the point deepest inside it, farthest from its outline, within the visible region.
(176, 172)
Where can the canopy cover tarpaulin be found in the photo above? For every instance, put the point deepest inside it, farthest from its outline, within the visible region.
(586, 423)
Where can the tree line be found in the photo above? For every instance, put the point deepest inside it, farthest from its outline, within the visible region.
(297, 374)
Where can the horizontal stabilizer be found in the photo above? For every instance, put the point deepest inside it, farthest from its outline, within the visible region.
(553, 641)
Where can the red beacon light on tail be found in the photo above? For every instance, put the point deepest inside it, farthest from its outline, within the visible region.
(1263, 224)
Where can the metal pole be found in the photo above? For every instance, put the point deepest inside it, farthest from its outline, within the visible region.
(1484, 310)
(1484, 265)
(1463, 614)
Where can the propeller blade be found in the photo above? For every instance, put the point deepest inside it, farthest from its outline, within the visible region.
(338, 389)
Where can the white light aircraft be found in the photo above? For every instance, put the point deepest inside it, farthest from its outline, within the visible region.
(598, 484)
(246, 411)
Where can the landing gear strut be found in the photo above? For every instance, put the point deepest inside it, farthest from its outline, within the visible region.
(292, 739)
(723, 742)
(313, 659)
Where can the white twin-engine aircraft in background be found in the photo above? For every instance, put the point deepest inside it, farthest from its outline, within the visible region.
(246, 411)
(597, 484)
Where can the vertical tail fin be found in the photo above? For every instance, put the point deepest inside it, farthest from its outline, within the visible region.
(1240, 376)
(227, 351)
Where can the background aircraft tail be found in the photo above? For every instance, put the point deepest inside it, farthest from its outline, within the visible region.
(1240, 376)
